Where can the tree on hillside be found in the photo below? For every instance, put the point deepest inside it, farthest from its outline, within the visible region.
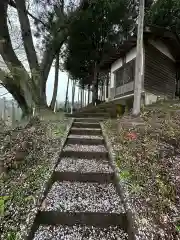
(96, 32)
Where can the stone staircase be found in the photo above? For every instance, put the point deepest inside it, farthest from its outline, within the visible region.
(83, 199)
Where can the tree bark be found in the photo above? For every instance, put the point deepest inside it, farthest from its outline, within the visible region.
(32, 87)
(27, 37)
(73, 95)
(51, 50)
(85, 98)
(81, 97)
(139, 58)
(88, 94)
(95, 86)
(19, 74)
(53, 101)
(67, 89)
(107, 86)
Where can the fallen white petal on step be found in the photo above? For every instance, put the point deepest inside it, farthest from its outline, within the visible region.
(88, 197)
(85, 136)
(77, 232)
(85, 148)
(84, 165)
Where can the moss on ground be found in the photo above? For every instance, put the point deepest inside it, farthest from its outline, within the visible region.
(149, 161)
(23, 185)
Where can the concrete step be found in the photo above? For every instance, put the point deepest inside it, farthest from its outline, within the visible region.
(85, 154)
(76, 232)
(85, 141)
(85, 125)
(86, 131)
(83, 177)
(88, 120)
(89, 114)
(96, 219)
(83, 165)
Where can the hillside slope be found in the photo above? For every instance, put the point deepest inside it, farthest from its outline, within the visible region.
(148, 157)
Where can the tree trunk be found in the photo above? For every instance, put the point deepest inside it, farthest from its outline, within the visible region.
(67, 89)
(85, 98)
(32, 88)
(107, 86)
(139, 58)
(102, 92)
(53, 101)
(73, 95)
(20, 76)
(95, 86)
(18, 96)
(81, 97)
(88, 94)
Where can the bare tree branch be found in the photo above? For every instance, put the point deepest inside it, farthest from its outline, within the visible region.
(13, 4)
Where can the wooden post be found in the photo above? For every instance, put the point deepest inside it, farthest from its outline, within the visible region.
(138, 66)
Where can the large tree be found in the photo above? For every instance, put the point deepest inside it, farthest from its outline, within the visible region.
(96, 32)
(28, 86)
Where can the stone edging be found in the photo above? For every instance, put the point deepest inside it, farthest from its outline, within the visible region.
(121, 187)
(40, 197)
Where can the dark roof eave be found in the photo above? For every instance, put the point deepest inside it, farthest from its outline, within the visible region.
(149, 31)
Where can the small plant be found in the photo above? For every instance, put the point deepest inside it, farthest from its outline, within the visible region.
(135, 188)
(12, 236)
(125, 175)
(2, 204)
(178, 227)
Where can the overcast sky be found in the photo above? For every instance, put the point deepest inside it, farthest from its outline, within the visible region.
(63, 78)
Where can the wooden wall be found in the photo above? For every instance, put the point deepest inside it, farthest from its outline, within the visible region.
(160, 72)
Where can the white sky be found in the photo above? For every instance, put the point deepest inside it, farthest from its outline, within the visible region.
(63, 78)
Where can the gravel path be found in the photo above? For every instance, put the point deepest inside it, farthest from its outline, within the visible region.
(86, 148)
(83, 165)
(85, 136)
(79, 197)
(79, 233)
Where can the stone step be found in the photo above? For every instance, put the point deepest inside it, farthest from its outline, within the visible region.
(85, 154)
(83, 177)
(89, 114)
(85, 125)
(77, 232)
(89, 120)
(82, 198)
(86, 131)
(69, 196)
(96, 219)
(84, 165)
(85, 141)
